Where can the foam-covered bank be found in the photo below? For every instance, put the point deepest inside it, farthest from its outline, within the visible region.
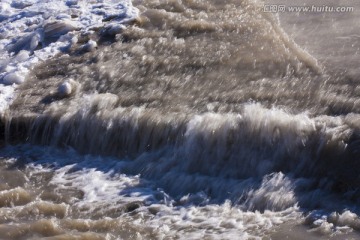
(32, 31)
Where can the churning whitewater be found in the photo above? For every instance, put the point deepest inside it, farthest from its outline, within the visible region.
(178, 119)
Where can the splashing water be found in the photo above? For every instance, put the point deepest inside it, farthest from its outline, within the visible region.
(179, 119)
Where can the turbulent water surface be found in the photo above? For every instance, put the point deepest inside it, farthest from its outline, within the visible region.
(179, 119)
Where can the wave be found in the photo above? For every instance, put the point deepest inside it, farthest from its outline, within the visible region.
(253, 143)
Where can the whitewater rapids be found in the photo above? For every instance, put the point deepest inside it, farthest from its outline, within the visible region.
(178, 119)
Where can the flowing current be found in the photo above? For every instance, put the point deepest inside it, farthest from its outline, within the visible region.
(179, 119)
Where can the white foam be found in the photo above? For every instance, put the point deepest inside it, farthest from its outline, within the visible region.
(276, 192)
(13, 77)
(107, 187)
(34, 30)
(345, 219)
(108, 190)
(6, 96)
(65, 88)
(90, 45)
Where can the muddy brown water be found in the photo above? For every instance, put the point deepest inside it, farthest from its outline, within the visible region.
(213, 120)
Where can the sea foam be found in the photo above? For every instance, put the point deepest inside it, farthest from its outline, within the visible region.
(33, 31)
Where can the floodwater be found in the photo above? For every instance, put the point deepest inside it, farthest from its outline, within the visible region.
(199, 120)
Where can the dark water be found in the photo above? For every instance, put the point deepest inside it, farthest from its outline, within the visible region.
(203, 120)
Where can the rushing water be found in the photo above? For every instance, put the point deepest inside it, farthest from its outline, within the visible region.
(198, 120)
